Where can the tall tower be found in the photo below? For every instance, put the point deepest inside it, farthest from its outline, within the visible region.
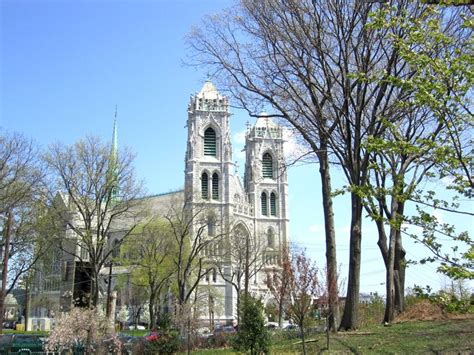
(266, 184)
(208, 161)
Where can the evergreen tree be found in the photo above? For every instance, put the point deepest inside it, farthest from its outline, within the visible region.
(252, 333)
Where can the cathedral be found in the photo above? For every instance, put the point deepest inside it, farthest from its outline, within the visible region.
(247, 220)
(253, 210)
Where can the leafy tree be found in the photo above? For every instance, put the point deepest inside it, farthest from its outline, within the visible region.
(98, 200)
(434, 136)
(147, 253)
(252, 334)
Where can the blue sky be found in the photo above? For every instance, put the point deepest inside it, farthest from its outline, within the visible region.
(66, 64)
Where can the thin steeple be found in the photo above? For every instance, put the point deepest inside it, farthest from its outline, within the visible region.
(113, 160)
(114, 148)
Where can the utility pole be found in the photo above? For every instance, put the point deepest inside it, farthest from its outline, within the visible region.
(6, 254)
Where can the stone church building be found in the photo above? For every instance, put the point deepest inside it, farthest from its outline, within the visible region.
(254, 210)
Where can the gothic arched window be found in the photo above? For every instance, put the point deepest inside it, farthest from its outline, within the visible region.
(273, 208)
(205, 186)
(267, 166)
(210, 142)
(215, 186)
(270, 238)
(264, 204)
(116, 249)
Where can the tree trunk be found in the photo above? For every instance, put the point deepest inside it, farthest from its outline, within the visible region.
(331, 260)
(94, 290)
(27, 302)
(390, 280)
(351, 309)
(390, 277)
(303, 340)
(109, 290)
(280, 313)
(400, 265)
(151, 310)
(6, 254)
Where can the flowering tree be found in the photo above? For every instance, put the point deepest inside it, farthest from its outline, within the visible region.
(82, 327)
(304, 288)
(278, 282)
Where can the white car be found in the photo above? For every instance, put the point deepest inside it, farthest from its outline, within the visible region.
(272, 325)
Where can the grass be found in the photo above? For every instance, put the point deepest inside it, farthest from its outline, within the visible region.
(420, 337)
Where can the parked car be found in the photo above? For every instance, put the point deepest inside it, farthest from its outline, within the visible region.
(227, 329)
(152, 336)
(271, 325)
(21, 343)
(290, 327)
(9, 324)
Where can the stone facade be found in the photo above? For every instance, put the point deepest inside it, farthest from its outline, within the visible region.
(254, 210)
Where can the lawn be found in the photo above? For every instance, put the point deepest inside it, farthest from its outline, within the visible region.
(420, 337)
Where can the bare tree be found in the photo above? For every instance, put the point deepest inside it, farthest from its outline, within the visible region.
(188, 226)
(270, 54)
(279, 283)
(304, 289)
(311, 64)
(20, 182)
(98, 197)
(240, 259)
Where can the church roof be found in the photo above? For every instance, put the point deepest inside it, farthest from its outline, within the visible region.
(208, 91)
(264, 121)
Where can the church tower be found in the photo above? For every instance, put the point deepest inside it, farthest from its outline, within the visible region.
(266, 184)
(209, 164)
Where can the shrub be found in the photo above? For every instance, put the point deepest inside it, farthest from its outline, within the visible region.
(165, 343)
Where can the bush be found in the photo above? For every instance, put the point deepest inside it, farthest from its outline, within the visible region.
(372, 313)
(448, 301)
(165, 343)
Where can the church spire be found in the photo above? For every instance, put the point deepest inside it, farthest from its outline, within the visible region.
(113, 161)
(114, 148)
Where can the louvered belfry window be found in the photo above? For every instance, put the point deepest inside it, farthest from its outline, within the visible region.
(215, 186)
(264, 204)
(273, 208)
(204, 186)
(210, 142)
(267, 166)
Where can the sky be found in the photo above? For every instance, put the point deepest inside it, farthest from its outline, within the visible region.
(66, 65)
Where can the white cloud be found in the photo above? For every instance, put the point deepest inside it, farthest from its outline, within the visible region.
(291, 147)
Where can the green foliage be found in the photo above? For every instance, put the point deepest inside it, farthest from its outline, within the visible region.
(456, 299)
(438, 48)
(372, 313)
(166, 343)
(252, 334)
